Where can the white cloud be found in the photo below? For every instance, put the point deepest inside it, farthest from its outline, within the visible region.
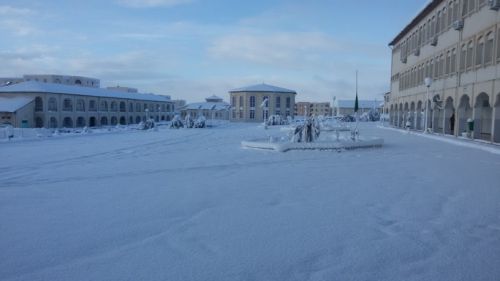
(13, 11)
(290, 49)
(152, 3)
(18, 27)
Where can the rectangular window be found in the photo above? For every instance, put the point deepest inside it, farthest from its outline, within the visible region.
(252, 114)
(288, 102)
(453, 63)
(463, 54)
(278, 102)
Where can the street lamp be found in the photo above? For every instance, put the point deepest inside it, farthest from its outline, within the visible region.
(147, 113)
(428, 83)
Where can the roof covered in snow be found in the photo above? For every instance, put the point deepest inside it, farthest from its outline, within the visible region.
(41, 87)
(213, 98)
(361, 103)
(12, 104)
(207, 105)
(263, 88)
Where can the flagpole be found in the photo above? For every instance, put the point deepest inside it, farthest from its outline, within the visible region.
(356, 102)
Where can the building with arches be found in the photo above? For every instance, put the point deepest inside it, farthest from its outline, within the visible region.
(257, 102)
(34, 104)
(457, 44)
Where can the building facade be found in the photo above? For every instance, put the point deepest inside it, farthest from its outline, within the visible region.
(346, 107)
(213, 108)
(313, 108)
(456, 43)
(257, 102)
(41, 104)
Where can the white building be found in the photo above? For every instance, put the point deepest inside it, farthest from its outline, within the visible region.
(50, 105)
(213, 108)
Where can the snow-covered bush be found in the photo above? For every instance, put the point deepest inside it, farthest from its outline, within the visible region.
(147, 125)
(188, 121)
(200, 122)
(307, 132)
(176, 122)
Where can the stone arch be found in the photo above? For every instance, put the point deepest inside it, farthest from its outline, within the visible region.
(419, 114)
(92, 121)
(80, 122)
(496, 130)
(400, 115)
(413, 115)
(163, 118)
(38, 122)
(104, 121)
(123, 121)
(437, 114)
(131, 120)
(114, 121)
(406, 111)
(464, 112)
(68, 122)
(138, 119)
(38, 104)
(482, 117)
(53, 122)
(449, 116)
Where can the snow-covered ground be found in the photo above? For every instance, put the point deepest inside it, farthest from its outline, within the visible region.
(193, 205)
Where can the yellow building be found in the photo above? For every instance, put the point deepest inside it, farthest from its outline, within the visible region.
(456, 43)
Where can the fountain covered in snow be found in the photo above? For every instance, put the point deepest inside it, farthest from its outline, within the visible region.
(317, 134)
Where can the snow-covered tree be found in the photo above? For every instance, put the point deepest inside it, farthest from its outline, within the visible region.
(176, 122)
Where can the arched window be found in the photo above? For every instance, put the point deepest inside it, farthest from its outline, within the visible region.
(92, 105)
(463, 56)
(252, 102)
(488, 48)
(123, 106)
(52, 104)
(114, 121)
(138, 119)
(80, 105)
(470, 50)
(453, 63)
(438, 23)
(80, 122)
(38, 104)
(448, 62)
(441, 65)
(472, 5)
(450, 13)
(479, 51)
(123, 121)
(78, 82)
(67, 105)
(104, 121)
(38, 122)
(92, 121)
(53, 122)
(113, 107)
(104, 106)
(68, 122)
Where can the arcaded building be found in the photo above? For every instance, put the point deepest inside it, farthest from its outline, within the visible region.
(213, 108)
(457, 44)
(257, 102)
(33, 104)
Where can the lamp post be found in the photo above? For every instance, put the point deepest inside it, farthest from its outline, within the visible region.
(428, 83)
(147, 113)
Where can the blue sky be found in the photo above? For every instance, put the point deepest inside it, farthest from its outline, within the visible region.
(191, 49)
